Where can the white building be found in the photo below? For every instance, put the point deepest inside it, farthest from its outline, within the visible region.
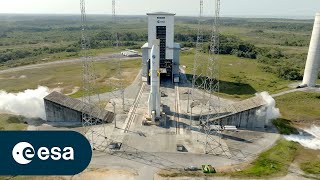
(161, 26)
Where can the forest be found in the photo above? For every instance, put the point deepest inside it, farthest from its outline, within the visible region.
(280, 45)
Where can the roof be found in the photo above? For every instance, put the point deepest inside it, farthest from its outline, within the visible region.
(161, 13)
(245, 105)
(79, 106)
(175, 46)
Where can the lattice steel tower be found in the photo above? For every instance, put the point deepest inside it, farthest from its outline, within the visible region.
(113, 9)
(119, 86)
(206, 81)
(89, 90)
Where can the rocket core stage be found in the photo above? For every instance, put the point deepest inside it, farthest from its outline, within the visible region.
(154, 97)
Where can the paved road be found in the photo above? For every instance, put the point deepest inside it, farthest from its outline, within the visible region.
(306, 89)
(102, 57)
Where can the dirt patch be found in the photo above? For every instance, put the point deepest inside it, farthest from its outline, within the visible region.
(106, 174)
(57, 89)
(23, 77)
(114, 79)
(74, 90)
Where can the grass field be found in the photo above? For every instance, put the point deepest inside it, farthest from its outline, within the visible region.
(11, 122)
(241, 78)
(300, 107)
(309, 161)
(273, 162)
(311, 167)
(284, 126)
(55, 57)
(68, 76)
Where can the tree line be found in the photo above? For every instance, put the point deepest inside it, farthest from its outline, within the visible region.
(273, 60)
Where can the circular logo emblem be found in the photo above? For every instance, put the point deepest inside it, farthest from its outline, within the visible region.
(23, 153)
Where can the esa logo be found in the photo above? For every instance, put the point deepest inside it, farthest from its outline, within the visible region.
(43, 153)
(23, 153)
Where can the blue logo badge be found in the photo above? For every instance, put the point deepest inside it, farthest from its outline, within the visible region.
(43, 153)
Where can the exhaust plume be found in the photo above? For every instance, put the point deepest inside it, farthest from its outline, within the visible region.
(271, 112)
(28, 103)
(311, 141)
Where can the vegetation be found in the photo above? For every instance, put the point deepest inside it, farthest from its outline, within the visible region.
(240, 77)
(311, 167)
(11, 122)
(300, 107)
(68, 77)
(284, 126)
(273, 162)
(256, 55)
(279, 45)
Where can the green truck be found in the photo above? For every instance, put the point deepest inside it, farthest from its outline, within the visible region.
(208, 169)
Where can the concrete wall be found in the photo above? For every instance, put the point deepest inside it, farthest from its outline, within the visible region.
(58, 113)
(246, 119)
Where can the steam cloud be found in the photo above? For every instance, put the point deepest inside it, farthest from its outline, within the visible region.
(28, 103)
(271, 112)
(311, 141)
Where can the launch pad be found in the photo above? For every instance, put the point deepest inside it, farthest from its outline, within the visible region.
(175, 144)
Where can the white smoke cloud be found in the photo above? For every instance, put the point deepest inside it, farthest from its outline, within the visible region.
(311, 141)
(271, 112)
(28, 103)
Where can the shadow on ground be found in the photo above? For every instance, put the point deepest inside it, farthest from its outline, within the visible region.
(230, 88)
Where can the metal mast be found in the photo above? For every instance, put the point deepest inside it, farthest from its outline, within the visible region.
(214, 146)
(88, 86)
(117, 85)
(205, 83)
(113, 9)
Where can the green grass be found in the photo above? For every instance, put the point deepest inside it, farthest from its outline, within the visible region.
(241, 78)
(311, 167)
(11, 122)
(273, 162)
(309, 161)
(56, 57)
(68, 76)
(300, 107)
(284, 126)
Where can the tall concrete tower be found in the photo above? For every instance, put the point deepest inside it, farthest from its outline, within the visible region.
(313, 61)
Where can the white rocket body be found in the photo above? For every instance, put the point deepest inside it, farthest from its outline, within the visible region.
(154, 97)
(313, 61)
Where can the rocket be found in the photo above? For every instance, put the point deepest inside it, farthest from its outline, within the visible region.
(154, 97)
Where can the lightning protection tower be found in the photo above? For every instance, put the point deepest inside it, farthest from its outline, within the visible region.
(205, 83)
(95, 135)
